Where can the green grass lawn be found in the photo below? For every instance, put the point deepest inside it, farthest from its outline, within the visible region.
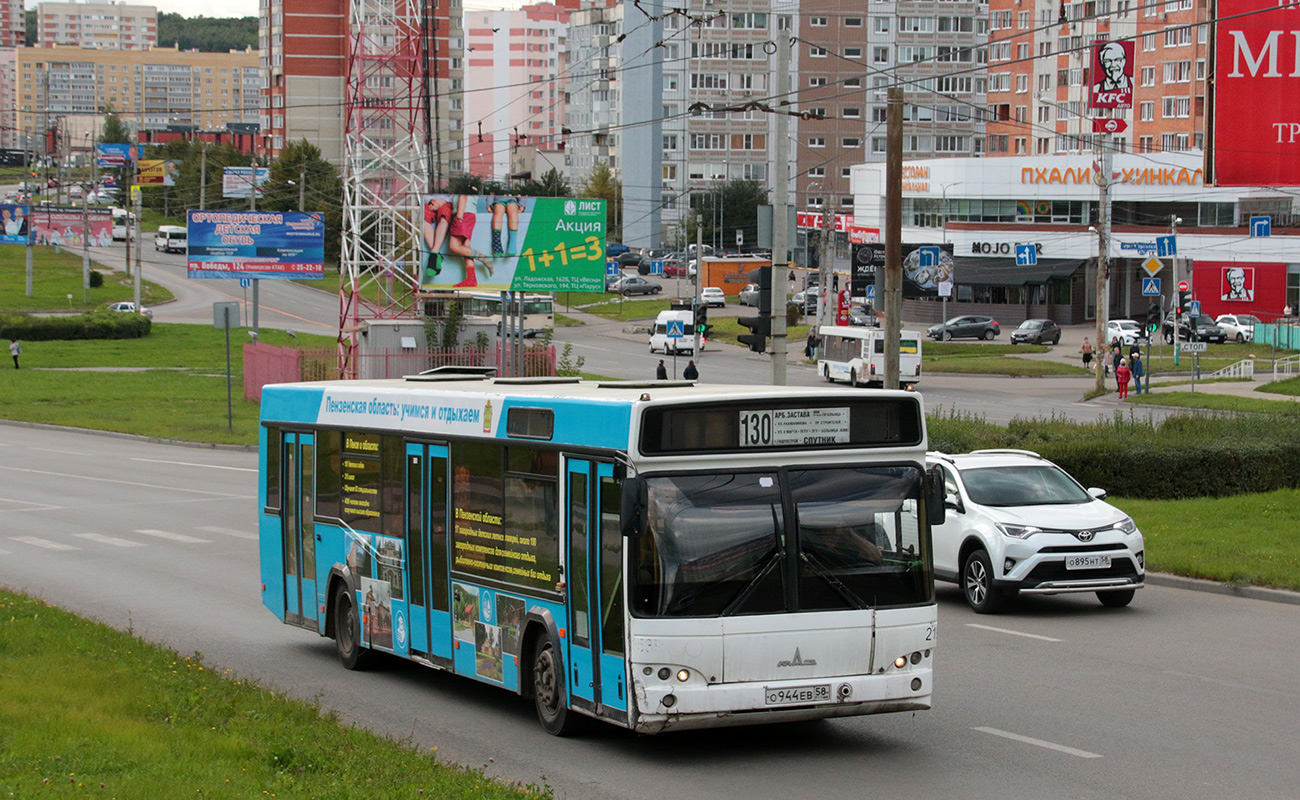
(89, 710)
(1289, 387)
(1247, 539)
(995, 365)
(57, 275)
(1217, 402)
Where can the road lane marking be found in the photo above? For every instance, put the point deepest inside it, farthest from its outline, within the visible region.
(35, 541)
(175, 537)
(227, 531)
(114, 480)
(1232, 684)
(64, 452)
(192, 464)
(110, 540)
(1011, 632)
(1060, 748)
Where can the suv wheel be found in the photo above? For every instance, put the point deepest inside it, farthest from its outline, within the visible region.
(1116, 599)
(977, 584)
(989, 334)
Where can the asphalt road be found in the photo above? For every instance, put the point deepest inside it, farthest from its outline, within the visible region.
(1183, 695)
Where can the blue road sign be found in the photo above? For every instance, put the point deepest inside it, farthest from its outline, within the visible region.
(1194, 308)
(1026, 255)
(928, 256)
(611, 267)
(1166, 246)
(244, 283)
(1261, 226)
(1150, 287)
(871, 292)
(656, 267)
(676, 329)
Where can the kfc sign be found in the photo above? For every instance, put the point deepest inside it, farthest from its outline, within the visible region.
(1257, 119)
(1112, 70)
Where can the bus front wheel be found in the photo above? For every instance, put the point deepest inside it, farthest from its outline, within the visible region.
(347, 631)
(548, 690)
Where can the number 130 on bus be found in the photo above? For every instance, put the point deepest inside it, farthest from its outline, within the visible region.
(657, 556)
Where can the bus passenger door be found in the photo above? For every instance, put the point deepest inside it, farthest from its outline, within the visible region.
(597, 663)
(426, 535)
(299, 533)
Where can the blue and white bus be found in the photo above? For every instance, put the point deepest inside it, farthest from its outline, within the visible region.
(658, 555)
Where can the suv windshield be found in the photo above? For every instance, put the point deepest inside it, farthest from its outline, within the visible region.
(1031, 485)
(723, 544)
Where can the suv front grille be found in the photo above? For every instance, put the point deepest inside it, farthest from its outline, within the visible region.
(1056, 571)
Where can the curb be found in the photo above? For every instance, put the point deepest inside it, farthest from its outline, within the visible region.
(1214, 587)
(244, 448)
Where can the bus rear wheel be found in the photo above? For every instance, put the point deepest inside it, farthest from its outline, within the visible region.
(347, 631)
(548, 690)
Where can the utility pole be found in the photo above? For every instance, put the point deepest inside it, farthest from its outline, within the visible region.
(302, 188)
(252, 206)
(1174, 219)
(825, 271)
(695, 281)
(893, 284)
(203, 175)
(85, 245)
(780, 215)
(1102, 156)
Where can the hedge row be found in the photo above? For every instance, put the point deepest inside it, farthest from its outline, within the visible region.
(1188, 455)
(101, 324)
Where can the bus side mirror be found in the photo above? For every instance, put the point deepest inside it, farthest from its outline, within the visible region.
(935, 510)
(633, 508)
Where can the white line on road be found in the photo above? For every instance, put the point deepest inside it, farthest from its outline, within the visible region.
(1231, 684)
(112, 540)
(64, 452)
(113, 480)
(46, 543)
(1011, 632)
(227, 531)
(192, 464)
(1060, 748)
(175, 537)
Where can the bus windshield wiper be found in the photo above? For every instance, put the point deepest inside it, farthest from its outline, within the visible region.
(835, 582)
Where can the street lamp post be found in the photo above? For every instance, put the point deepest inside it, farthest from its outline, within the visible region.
(944, 209)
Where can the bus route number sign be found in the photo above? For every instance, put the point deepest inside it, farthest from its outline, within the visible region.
(785, 427)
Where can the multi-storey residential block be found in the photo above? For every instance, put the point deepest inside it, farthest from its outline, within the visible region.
(154, 88)
(98, 25)
(514, 85)
(1039, 75)
(13, 25)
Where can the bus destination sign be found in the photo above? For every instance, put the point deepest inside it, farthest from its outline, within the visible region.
(785, 427)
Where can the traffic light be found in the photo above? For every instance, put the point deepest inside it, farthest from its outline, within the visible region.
(1184, 299)
(763, 277)
(1153, 317)
(759, 329)
(701, 317)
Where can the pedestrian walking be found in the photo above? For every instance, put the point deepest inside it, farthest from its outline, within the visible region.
(810, 349)
(1122, 375)
(1086, 350)
(1115, 357)
(661, 372)
(691, 373)
(15, 350)
(1135, 366)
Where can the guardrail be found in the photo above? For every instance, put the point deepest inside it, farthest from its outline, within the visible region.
(1242, 369)
(1284, 368)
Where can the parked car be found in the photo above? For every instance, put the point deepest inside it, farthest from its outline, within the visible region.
(675, 268)
(749, 295)
(129, 308)
(805, 301)
(863, 317)
(1128, 332)
(628, 258)
(635, 284)
(712, 296)
(1204, 329)
(1018, 524)
(611, 281)
(614, 250)
(1238, 327)
(171, 238)
(1036, 331)
(975, 326)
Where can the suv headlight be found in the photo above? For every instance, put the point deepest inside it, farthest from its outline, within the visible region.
(1018, 531)
(1127, 525)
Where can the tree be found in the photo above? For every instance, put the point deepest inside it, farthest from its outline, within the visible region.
(114, 131)
(730, 206)
(207, 34)
(552, 184)
(475, 184)
(602, 185)
(301, 173)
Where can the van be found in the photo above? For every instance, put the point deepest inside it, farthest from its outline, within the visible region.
(669, 345)
(123, 224)
(171, 239)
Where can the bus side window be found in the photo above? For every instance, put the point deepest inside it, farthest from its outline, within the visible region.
(274, 447)
(611, 567)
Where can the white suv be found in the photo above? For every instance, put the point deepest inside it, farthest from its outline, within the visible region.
(1017, 523)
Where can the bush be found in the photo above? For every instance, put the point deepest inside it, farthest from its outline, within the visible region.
(96, 279)
(1188, 455)
(101, 324)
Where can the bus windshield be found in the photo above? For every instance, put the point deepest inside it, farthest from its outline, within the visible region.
(721, 544)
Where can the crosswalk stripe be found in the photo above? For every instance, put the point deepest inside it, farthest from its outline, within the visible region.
(175, 537)
(110, 540)
(35, 541)
(228, 531)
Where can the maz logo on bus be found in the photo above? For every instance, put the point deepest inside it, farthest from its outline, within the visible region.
(798, 661)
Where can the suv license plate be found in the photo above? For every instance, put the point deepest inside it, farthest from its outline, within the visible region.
(798, 695)
(1087, 562)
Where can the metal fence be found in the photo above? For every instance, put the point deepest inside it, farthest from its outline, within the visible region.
(265, 364)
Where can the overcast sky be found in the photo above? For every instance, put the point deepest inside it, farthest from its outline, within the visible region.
(248, 8)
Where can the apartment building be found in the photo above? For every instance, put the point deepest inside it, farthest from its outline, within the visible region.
(514, 86)
(101, 26)
(13, 25)
(1039, 81)
(154, 88)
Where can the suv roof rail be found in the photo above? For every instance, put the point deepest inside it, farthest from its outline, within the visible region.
(940, 455)
(1008, 451)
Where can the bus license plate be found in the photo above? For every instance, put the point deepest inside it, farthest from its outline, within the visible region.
(1087, 562)
(798, 695)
